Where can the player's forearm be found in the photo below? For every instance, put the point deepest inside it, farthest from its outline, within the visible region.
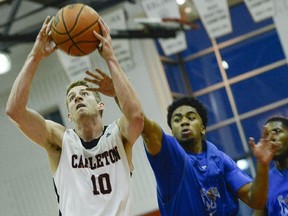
(259, 213)
(125, 93)
(19, 94)
(259, 188)
(152, 136)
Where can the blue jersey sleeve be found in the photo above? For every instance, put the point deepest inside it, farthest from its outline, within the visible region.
(168, 166)
(234, 176)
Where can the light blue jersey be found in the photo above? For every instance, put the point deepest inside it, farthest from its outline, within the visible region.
(191, 184)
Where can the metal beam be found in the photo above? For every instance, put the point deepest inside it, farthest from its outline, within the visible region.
(115, 34)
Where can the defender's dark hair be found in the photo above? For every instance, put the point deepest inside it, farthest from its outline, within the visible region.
(279, 118)
(188, 101)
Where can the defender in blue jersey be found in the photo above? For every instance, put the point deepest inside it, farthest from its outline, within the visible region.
(195, 178)
(277, 202)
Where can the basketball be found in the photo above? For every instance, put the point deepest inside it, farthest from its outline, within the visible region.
(72, 29)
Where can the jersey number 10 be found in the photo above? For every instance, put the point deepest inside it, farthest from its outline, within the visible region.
(101, 185)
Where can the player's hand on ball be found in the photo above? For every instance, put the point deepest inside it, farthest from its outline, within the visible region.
(43, 46)
(105, 48)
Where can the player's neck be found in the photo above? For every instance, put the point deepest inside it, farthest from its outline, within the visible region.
(89, 130)
(282, 164)
(192, 146)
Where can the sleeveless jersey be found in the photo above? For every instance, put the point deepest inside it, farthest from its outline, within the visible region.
(95, 181)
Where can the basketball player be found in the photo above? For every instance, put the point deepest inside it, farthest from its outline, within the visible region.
(92, 163)
(205, 180)
(193, 177)
(277, 202)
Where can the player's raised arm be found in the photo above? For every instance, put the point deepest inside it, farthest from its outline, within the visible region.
(151, 133)
(131, 124)
(29, 121)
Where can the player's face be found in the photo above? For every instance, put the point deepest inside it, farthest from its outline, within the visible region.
(81, 102)
(281, 135)
(187, 124)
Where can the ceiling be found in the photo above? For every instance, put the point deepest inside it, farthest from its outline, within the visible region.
(21, 19)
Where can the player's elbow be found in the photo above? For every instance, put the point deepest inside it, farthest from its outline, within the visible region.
(260, 204)
(254, 196)
(12, 112)
(138, 120)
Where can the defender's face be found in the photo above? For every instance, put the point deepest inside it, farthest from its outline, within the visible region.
(281, 135)
(187, 124)
(81, 102)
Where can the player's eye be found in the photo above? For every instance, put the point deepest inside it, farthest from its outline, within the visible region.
(71, 98)
(277, 131)
(191, 117)
(177, 120)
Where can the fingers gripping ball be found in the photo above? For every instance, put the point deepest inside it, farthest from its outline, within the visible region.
(72, 29)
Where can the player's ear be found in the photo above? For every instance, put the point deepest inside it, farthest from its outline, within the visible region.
(69, 117)
(100, 106)
(203, 130)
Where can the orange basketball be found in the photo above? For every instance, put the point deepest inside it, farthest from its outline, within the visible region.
(72, 29)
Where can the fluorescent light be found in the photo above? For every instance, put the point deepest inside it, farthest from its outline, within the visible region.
(225, 65)
(5, 63)
(188, 10)
(243, 164)
(181, 2)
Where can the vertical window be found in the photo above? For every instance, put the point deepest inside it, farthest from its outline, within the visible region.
(247, 89)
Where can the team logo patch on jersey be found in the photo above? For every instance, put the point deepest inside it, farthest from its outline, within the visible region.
(283, 202)
(209, 199)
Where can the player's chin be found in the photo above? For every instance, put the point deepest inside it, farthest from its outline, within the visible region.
(280, 155)
(186, 142)
(82, 113)
(186, 138)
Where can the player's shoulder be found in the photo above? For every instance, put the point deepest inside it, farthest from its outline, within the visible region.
(55, 127)
(56, 132)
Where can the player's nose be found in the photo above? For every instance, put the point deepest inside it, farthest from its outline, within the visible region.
(78, 98)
